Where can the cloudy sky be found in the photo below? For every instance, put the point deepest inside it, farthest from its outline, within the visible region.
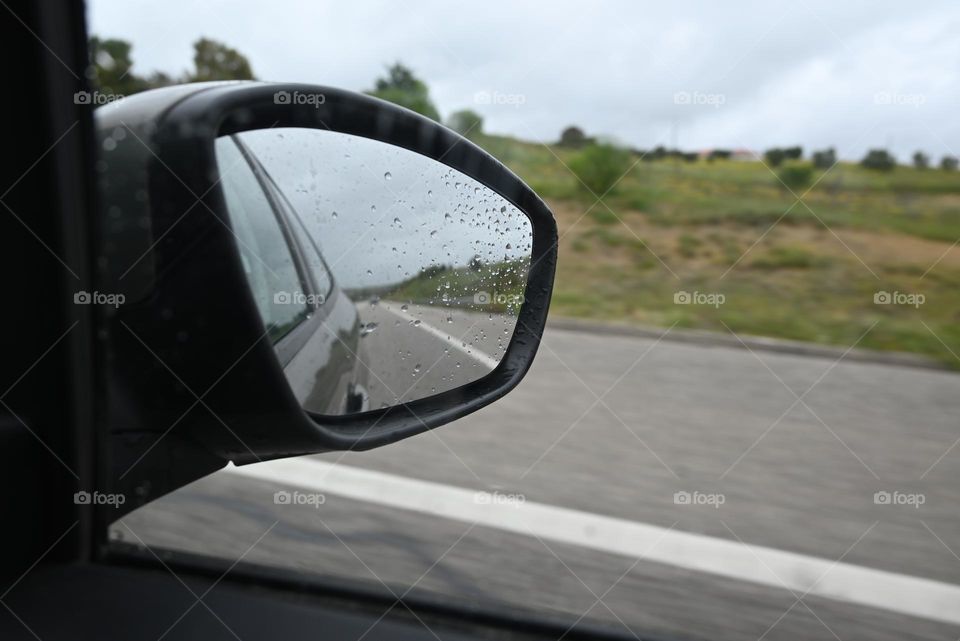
(853, 75)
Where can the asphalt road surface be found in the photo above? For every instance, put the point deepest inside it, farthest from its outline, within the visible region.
(780, 453)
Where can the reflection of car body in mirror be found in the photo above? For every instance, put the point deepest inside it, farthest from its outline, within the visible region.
(315, 327)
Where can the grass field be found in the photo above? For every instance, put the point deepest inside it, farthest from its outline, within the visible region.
(806, 269)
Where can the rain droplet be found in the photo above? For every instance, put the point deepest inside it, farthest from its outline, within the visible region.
(387, 176)
(404, 307)
(333, 215)
(369, 328)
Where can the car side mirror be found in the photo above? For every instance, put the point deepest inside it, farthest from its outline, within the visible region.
(298, 269)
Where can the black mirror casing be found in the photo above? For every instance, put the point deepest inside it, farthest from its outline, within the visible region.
(192, 379)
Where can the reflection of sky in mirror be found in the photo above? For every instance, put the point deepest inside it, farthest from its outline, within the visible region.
(381, 213)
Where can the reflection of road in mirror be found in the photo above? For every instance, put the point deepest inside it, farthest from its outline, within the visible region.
(433, 263)
(427, 349)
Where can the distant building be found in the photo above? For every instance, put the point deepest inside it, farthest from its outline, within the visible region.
(744, 154)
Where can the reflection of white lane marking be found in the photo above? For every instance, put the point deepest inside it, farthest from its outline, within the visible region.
(474, 353)
(910, 595)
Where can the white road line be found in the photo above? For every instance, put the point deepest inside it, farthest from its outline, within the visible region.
(901, 593)
(474, 353)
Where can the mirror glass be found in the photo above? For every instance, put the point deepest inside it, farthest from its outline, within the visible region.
(382, 276)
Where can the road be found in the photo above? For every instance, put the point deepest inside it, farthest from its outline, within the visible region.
(786, 453)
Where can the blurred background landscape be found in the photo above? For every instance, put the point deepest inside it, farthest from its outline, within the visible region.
(796, 242)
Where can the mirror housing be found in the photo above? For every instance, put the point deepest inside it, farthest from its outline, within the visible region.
(191, 380)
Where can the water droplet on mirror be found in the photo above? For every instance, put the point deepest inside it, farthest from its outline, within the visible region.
(503, 209)
(333, 215)
(404, 307)
(396, 221)
(433, 234)
(369, 328)
(387, 176)
(416, 368)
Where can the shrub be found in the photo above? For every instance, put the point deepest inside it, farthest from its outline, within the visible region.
(948, 163)
(795, 175)
(825, 158)
(921, 160)
(879, 159)
(600, 166)
(573, 137)
(774, 156)
(466, 123)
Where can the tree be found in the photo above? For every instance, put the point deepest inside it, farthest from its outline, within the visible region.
(795, 175)
(402, 88)
(921, 160)
(112, 67)
(948, 163)
(825, 158)
(774, 156)
(793, 153)
(573, 137)
(600, 166)
(466, 122)
(879, 159)
(216, 61)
